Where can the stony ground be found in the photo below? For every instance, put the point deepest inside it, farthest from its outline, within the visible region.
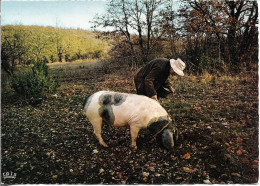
(51, 141)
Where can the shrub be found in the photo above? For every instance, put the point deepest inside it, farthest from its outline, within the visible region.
(35, 82)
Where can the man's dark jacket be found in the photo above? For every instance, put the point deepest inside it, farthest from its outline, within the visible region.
(152, 78)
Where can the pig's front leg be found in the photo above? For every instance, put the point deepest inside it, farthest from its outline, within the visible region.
(134, 133)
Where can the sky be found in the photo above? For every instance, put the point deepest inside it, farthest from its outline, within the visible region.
(65, 14)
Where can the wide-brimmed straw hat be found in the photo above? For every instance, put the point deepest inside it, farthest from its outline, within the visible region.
(178, 66)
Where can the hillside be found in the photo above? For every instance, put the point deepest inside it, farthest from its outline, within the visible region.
(22, 44)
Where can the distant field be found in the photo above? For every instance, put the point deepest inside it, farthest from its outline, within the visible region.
(68, 71)
(81, 64)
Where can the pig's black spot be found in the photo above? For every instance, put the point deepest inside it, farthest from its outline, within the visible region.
(105, 99)
(87, 101)
(119, 98)
(106, 112)
(112, 99)
(156, 124)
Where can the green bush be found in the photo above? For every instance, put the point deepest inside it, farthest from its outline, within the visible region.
(34, 83)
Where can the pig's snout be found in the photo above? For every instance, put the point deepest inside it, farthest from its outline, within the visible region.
(169, 138)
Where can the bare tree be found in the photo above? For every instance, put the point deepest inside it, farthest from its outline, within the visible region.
(232, 22)
(126, 17)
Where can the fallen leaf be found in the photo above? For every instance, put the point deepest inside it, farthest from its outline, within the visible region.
(245, 161)
(186, 156)
(188, 170)
(239, 140)
(236, 174)
(239, 152)
(227, 144)
(120, 175)
(213, 166)
(205, 147)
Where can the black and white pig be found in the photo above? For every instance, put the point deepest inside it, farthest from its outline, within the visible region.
(136, 111)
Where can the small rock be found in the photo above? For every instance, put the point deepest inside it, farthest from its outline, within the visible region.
(54, 177)
(145, 174)
(112, 172)
(206, 182)
(55, 95)
(101, 171)
(95, 151)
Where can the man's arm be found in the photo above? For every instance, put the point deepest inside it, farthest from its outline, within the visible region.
(167, 84)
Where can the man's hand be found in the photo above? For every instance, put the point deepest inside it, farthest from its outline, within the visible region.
(154, 97)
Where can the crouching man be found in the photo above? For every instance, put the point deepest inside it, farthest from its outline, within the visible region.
(152, 79)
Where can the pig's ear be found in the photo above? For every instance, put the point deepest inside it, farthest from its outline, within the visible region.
(167, 139)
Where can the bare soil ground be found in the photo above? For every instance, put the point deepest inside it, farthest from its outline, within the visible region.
(51, 141)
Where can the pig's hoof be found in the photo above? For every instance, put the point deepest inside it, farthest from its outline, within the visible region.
(104, 145)
(134, 147)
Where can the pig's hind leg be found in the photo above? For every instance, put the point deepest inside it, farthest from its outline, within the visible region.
(97, 125)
